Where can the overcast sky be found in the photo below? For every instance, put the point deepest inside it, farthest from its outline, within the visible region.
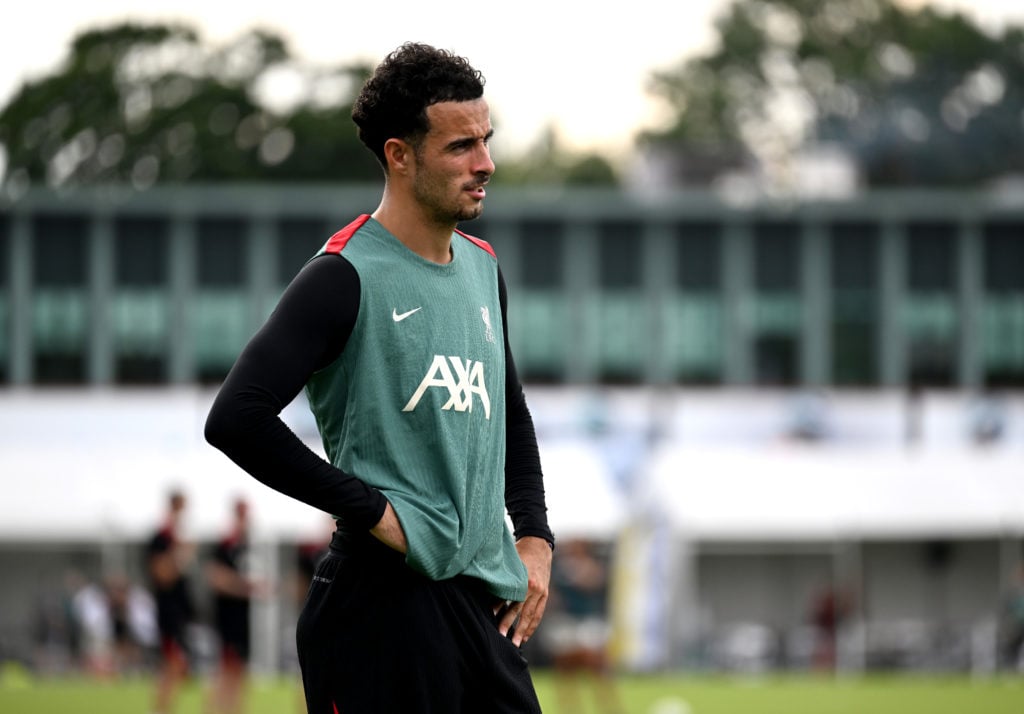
(562, 63)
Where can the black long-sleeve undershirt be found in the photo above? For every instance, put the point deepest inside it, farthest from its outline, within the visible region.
(306, 332)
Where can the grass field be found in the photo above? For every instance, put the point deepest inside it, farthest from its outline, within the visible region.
(642, 695)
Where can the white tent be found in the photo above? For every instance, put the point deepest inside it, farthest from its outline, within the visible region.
(96, 464)
(811, 493)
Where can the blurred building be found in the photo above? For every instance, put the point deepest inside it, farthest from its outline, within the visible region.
(770, 415)
(165, 286)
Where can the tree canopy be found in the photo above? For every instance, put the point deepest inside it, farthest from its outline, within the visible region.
(915, 97)
(142, 104)
(148, 103)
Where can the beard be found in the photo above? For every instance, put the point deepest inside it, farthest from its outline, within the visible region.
(436, 197)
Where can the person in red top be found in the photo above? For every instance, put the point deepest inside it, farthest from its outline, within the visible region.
(228, 574)
(167, 563)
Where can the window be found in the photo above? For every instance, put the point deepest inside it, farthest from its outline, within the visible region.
(222, 311)
(777, 308)
(60, 304)
(930, 258)
(776, 257)
(621, 313)
(698, 257)
(543, 251)
(1002, 310)
(141, 302)
(854, 258)
(141, 252)
(540, 342)
(221, 253)
(1004, 258)
(5, 304)
(620, 250)
(693, 328)
(930, 315)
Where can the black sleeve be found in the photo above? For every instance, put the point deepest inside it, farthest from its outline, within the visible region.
(306, 332)
(524, 479)
(224, 555)
(158, 544)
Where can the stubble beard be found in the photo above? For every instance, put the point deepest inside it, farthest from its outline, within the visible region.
(452, 214)
(432, 195)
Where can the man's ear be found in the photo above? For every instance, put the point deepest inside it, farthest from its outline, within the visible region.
(399, 155)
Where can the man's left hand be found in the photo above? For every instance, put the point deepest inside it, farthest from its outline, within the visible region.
(536, 556)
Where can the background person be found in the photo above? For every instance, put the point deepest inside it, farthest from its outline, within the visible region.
(228, 573)
(579, 630)
(168, 559)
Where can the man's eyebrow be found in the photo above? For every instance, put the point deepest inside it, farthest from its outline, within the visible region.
(467, 140)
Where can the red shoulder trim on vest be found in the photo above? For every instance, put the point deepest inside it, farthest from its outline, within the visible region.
(337, 242)
(478, 242)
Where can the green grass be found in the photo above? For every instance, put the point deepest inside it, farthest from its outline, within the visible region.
(811, 695)
(19, 694)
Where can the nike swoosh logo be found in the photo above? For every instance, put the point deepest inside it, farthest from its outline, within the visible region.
(398, 318)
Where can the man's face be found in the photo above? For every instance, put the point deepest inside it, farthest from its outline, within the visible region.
(453, 161)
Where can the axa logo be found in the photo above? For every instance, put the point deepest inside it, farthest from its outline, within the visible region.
(462, 378)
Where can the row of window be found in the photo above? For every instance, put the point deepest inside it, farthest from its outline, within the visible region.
(141, 253)
(590, 316)
(698, 255)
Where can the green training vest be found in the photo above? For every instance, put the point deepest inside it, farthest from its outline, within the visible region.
(415, 405)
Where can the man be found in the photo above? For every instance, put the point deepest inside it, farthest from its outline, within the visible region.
(167, 561)
(233, 588)
(397, 330)
(578, 636)
(1012, 655)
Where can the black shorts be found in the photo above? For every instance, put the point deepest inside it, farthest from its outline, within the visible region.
(376, 637)
(174, 613)
(231, 618)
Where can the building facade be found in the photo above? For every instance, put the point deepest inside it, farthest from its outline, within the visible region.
(111, 286)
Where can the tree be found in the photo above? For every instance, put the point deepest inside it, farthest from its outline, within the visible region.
(147, 103)
(142, 104)
(914, 97)
(548, 162)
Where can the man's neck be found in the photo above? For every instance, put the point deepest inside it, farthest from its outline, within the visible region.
(427, 239)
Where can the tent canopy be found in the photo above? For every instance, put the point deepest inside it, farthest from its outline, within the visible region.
(97, 464)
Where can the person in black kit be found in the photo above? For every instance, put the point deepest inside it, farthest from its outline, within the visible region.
(440, 566)
(233, 591)
(167, 561)
(125, 604)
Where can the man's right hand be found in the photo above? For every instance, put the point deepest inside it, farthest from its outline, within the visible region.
(389, 530)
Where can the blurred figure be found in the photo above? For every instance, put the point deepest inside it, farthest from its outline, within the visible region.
(1013, 614)
(167, 562)
(133, 620)
(53, 628)
(987, 418)
(913, 424)
(828, 610)
(233, 590)
(808, 418)
(578, 630)
(91, 617)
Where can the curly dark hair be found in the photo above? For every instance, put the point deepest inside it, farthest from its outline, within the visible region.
(393, 102)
